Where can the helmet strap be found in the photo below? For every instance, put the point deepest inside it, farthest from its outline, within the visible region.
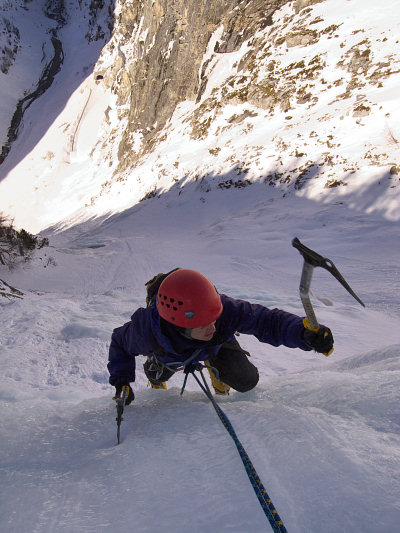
(187, 333)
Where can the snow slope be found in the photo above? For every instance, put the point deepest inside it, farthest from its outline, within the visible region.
(323, 433)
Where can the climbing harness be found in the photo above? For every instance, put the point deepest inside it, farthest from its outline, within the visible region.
(262, 495)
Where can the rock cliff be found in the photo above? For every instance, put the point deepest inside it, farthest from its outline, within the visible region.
(159, 49)
(163, 52)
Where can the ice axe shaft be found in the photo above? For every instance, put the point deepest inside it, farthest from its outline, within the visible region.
(120, 401)
(305, 284)
(311, 260)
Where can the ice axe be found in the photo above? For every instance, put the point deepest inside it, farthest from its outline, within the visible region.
(311, 260)
(120, 401)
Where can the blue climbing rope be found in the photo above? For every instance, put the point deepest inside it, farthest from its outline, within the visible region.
(262, 495)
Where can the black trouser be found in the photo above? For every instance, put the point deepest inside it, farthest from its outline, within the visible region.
(231, 362)
(234, 367)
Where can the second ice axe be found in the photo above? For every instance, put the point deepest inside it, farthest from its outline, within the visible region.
(311, 260)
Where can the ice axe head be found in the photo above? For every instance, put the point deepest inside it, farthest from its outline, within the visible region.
(316, 260)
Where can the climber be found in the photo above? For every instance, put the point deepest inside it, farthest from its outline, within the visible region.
(189, 321)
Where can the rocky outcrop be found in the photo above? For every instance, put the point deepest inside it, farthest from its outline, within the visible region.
(96, 30)
(55, 9)
(160, 56)
(9, 292)
(301, 4)
(11, 46)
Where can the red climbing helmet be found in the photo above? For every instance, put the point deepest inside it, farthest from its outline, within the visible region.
(188, 299)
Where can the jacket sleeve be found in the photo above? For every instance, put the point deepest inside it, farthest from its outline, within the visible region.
(128, 341)
(272, 326)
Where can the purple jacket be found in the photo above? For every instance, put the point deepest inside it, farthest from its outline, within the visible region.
(146, 334)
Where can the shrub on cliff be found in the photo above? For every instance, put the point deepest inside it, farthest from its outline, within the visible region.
(17, 245)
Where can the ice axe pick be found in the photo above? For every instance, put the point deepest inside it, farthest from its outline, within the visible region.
(311, 260)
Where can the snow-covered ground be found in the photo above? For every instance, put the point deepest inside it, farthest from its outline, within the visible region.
(323, 433)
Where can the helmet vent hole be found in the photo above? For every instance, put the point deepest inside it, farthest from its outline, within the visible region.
(172, 300)
(175, 308)
(169, 307)
(180, 303)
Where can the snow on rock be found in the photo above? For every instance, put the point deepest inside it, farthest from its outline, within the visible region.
(315, 117)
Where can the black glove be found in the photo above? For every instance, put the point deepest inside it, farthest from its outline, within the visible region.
(321, 340)
(131, 395)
